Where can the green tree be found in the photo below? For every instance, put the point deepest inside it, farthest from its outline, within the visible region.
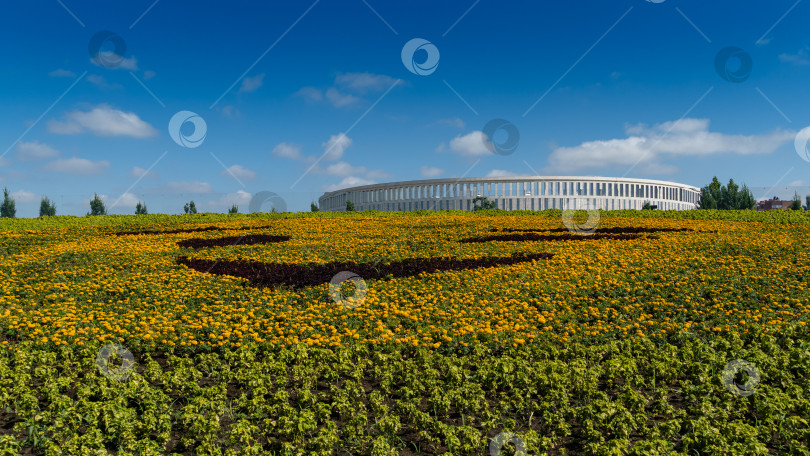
(797, 202)
(190, 208)
(807, 203)
(729, 196)
(313, 207)
(140, 209)
(97, 206)
(349, 206)
(46, 207)
(481, 203)
(647, 206)
(8, 208)
(746, 199)
(710, 195)
(706, 200)
(234, 209)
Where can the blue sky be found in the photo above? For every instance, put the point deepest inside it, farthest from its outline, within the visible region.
(303, 97)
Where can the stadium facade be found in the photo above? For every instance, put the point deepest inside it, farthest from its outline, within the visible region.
(515, 193)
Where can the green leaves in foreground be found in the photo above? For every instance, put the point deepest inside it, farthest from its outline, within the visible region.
(627, 397)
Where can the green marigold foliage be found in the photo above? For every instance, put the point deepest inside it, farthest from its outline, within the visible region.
(622, 397)
(626, 396)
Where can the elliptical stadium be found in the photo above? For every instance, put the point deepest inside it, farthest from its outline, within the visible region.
(531, 193)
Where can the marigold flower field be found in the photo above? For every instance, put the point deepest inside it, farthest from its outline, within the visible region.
(462, 333)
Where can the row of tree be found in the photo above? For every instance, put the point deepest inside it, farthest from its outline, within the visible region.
(732, 197)
(47, 208)
(9, 206)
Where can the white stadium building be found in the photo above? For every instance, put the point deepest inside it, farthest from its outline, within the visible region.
(515, 193)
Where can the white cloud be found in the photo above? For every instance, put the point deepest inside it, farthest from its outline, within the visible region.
(189, 187)
(453, 122)
(335, 146)
(355, 83)
(800, 58)
(241, 198)
(60, 73)
(470, 145)
(378, 174)
(229, 111)
(648, 146)
(22, 196)
(137, 172)
(351, 181)
(365, 82)
(251, 84)
(430, 171)
(500, 173)
(28, 151)
(798, 183)
(657, 168)
(287, 150)
(129, 64)
(101, 82)
(78, 166)
(342, 94)
(310, 94)
(103, 121)
(126, 64)
(240, 172)
(126, 200)
(340, 100)
(344, 169)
